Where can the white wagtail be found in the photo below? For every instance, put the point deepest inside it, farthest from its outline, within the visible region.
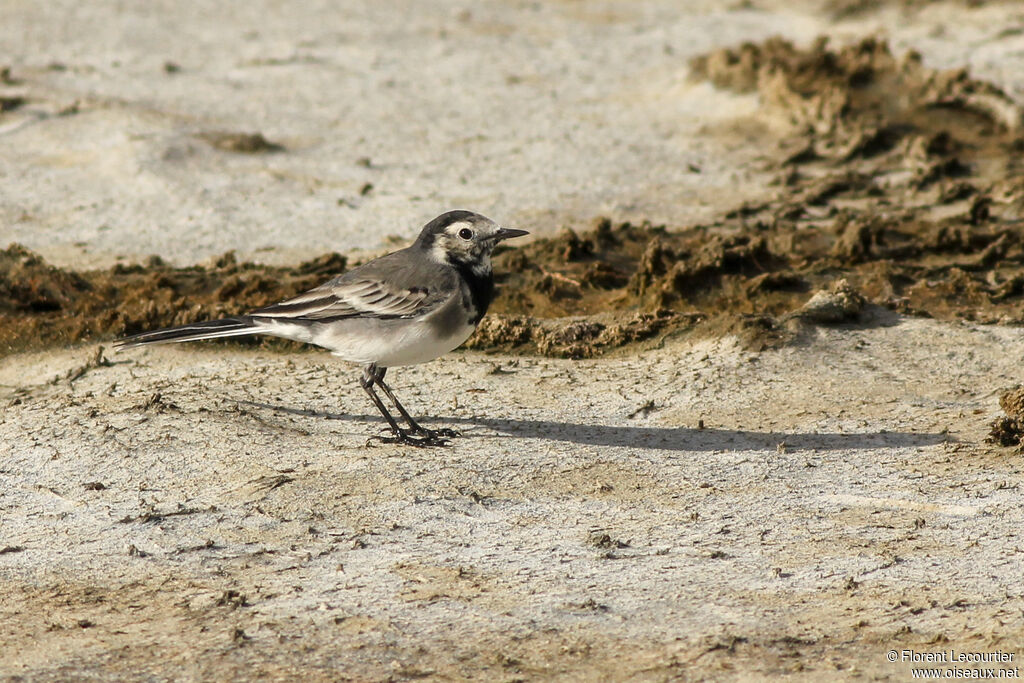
(407, 307)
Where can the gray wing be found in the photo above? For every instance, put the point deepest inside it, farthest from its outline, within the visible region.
(392, 286)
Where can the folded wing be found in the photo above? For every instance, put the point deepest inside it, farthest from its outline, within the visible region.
(347, 298)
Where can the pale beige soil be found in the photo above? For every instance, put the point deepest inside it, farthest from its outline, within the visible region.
(839, 502)
(685, 510)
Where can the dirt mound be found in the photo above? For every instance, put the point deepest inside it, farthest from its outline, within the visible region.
(862, 101)
(906, 179)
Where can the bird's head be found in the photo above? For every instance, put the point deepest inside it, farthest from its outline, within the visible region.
(463, 237)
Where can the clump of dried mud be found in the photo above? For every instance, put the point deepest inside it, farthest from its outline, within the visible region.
(243, 143)
(898, 186)
(844, 9)
(1008, 430)
(41, 305)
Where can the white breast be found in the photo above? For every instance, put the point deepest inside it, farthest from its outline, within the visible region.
(393, 342)
(419, 343)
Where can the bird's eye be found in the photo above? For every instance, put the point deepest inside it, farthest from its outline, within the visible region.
(466, 234)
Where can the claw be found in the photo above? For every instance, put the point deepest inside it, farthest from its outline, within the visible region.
(444, 433)
(429, 438)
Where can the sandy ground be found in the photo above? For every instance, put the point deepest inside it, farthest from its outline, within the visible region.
(184, 512)
(691, 510)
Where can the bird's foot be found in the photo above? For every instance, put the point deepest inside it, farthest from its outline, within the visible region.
(443, 433)
(425, 438)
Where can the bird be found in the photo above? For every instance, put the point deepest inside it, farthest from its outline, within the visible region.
(404, 308)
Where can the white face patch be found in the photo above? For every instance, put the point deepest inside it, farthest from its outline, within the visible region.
(455, 228)
(438, 253)
(451, 245)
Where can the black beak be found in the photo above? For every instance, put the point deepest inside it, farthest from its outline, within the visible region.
(508, 233)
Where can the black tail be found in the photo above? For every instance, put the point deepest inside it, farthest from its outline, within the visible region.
(211, 329)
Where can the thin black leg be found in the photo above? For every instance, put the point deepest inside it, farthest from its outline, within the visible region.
(378, 377)
(366, 382)
(423, 437)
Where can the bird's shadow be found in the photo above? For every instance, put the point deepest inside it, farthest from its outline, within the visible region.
(664, 438)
